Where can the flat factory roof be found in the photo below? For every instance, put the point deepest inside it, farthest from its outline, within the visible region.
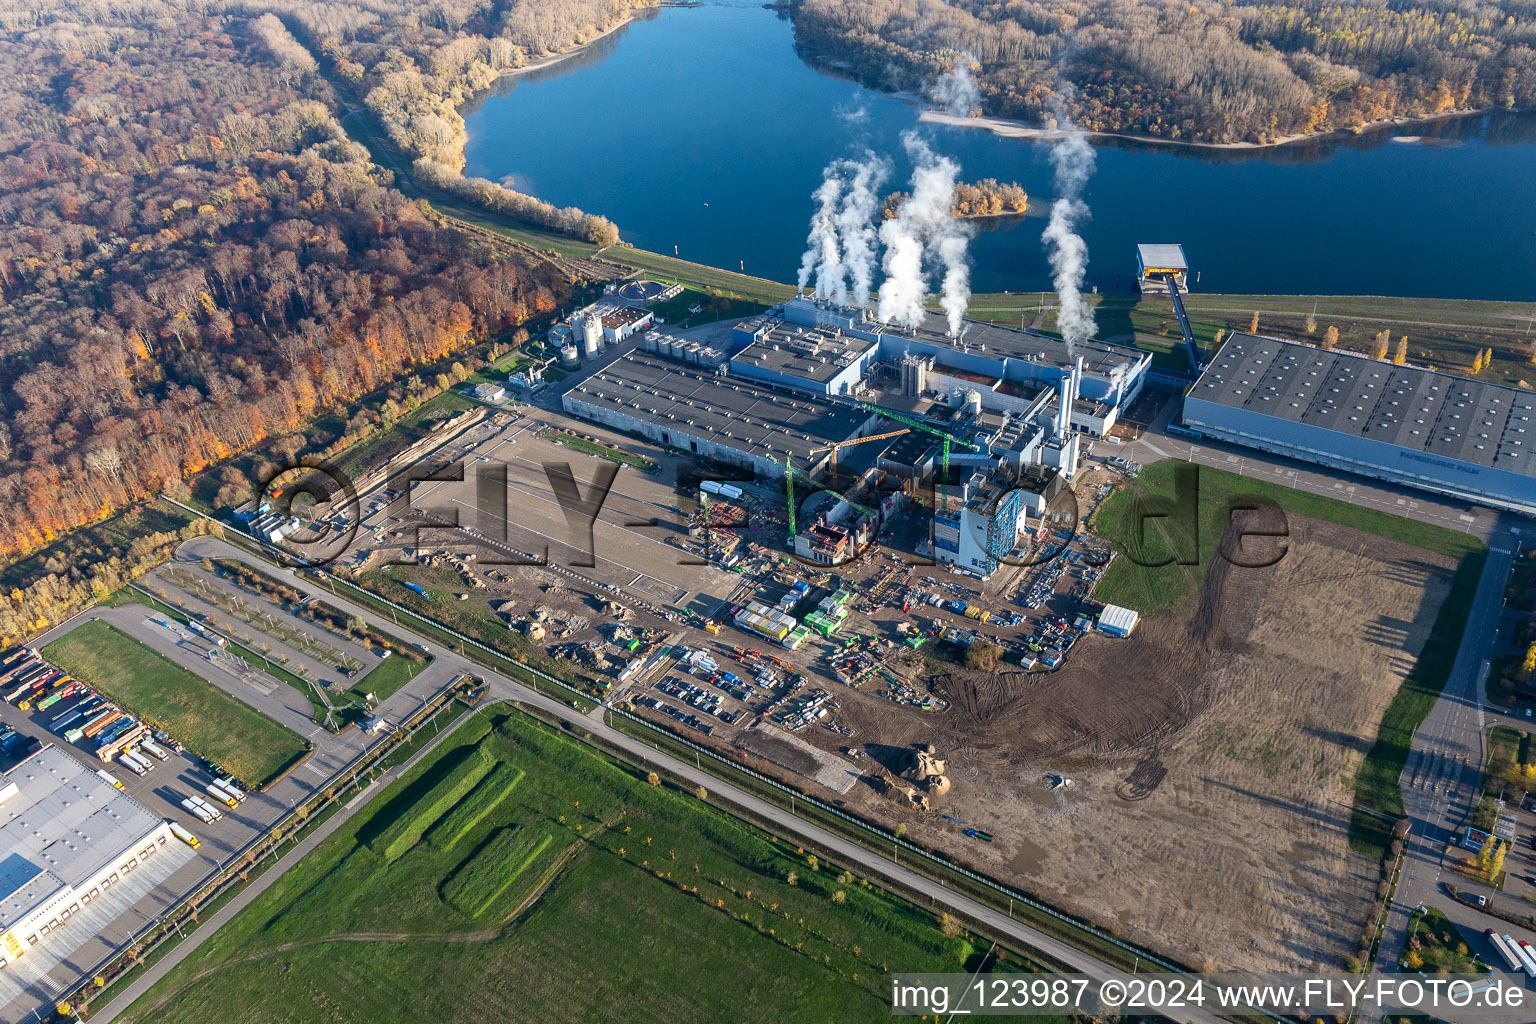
(624, 316)
(1436, 413)
(1161, 256)
(810, 353)
(65, 820)
(987, 339)
(731, 411)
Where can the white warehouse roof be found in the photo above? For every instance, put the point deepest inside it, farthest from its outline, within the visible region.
(65, 820)
(1117, 619)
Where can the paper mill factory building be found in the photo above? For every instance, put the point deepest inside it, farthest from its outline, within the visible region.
(1402, 424)
(828, 349)
(720, 417)
(76, 853)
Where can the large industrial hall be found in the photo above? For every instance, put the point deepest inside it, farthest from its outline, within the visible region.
(1403, 424)
(78, 853)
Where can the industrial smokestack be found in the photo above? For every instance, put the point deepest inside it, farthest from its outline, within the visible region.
(1064, 406)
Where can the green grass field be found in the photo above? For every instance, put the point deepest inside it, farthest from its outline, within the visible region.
(1119, 521)
(1181, 535)
(600, 898)
(209, 721)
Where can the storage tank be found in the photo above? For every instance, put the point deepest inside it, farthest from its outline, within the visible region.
(973, 403)
(589, 331)
(956, 398)
(692, 352)
(648, 343)
(569, 357)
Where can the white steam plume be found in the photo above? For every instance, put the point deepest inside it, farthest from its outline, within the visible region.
(856, 224)
(924, 225)
(840, 251)
(955, 91)
(1073, 160)
(822, 256)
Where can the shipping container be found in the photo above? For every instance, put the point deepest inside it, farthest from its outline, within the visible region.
(103, 723)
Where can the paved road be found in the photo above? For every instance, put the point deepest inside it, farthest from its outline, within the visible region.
(1444, 767)
(1155, 446)
(207, 929)
(506, 688)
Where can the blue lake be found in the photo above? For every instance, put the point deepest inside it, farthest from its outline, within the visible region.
(702, 129)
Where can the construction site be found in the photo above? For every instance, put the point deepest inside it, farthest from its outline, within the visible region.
(863, 568)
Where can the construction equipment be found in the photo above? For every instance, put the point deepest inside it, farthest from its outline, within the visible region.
(789, 491)
(837, 445)
(948, 439)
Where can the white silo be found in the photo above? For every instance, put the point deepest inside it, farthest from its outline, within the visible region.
(590, 331)
(570, 358)
(973, 403)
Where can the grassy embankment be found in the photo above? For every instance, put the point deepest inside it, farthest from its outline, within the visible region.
(1445, 333)
(207, 720)
(577, 887)
(602, 451)
(1118, 520)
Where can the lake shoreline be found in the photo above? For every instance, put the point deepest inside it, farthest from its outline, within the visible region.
(1008, 128)
(552, 59)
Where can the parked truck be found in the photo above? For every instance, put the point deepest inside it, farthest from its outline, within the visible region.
(183, 835)
(216, 812)
(231, 788)
(109, 779)
(95, 718)
(132, 765)
(140, 760)
(153, 749)
(106, 751)
(1506, 953)
(221, 796)
(414, 588)
(196, 808)
(116, 730)
(1527, 957)
(61, 693)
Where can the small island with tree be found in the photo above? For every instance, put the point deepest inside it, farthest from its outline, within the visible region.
(985, 198)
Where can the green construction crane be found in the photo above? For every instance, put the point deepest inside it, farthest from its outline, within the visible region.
(917, 424)
(789, 490)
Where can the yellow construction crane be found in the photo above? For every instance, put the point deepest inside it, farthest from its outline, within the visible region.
(833, 448)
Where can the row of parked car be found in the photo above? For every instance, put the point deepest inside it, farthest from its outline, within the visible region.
(697, 697)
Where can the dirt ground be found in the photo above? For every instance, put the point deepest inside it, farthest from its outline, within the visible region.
(1211, 756)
